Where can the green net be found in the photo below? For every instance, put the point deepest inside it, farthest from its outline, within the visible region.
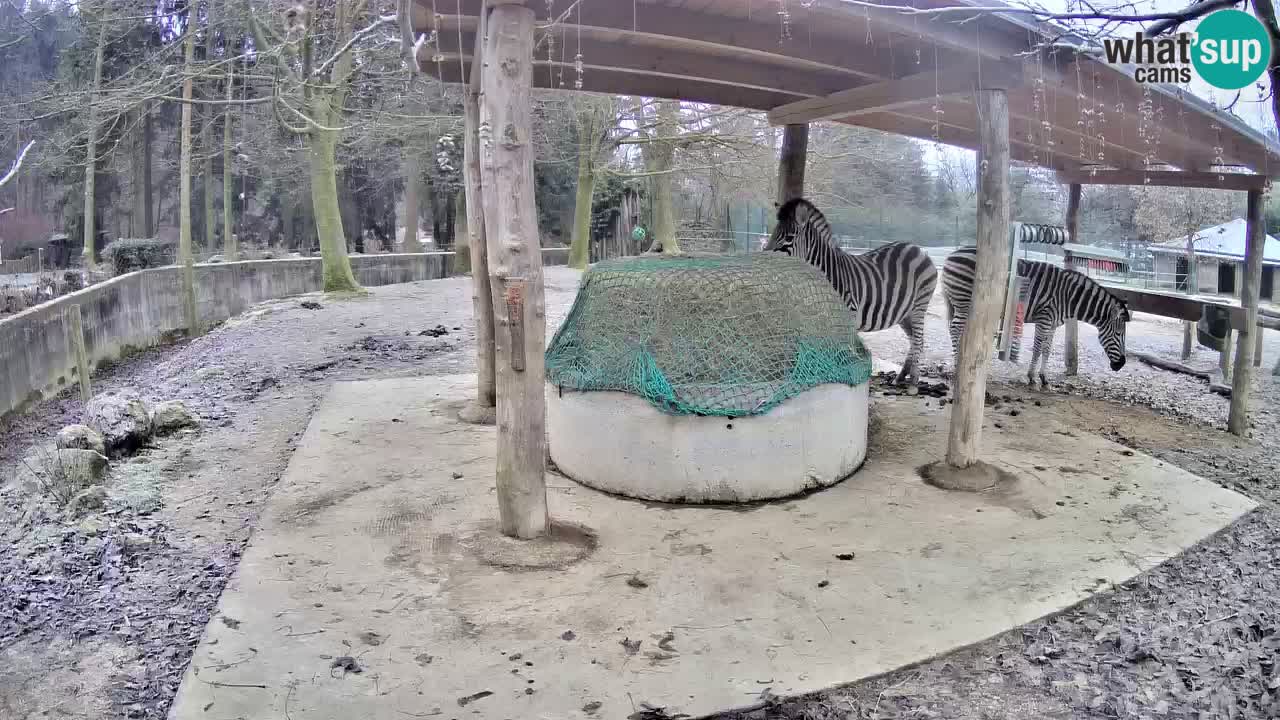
(726, 335)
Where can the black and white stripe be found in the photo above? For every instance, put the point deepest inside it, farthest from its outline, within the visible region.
(888, 286)
(1053, 295)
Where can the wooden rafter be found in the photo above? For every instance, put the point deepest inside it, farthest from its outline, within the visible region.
(1167, 178)
(892, 94)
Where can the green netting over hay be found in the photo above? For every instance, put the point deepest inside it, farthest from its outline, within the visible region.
(727, 335)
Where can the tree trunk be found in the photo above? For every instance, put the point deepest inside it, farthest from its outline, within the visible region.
(322, 147)
(581, 236)
(664, 219)
(91, 152)
(515, 271)
(462, 243)
(412, 211)
(230, 244)
(450, 221)
(965, 434)
(184, 184)
(287, 211)
(139, 200)
(207, 147)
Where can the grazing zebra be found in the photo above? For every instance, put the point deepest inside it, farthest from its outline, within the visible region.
(891, 285)
(1053, 296)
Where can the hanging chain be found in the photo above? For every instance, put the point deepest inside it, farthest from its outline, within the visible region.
(577, 59)
(1102, 120)
(784, 17)
(551, 43)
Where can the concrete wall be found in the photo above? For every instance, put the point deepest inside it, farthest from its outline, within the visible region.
(144, 308)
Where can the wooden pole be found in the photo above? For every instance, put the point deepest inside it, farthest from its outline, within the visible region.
(75, 336)
(992, 266)
(1238, 416)
(1072, 331)
(515, 268)
(791, 164)
(482, 410)
(1257, 348)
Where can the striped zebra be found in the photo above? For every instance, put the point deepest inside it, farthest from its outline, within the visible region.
(891, 285)
(1053, 296)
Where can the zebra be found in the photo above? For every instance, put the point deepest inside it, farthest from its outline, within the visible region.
(1053, 295)
(891, 285)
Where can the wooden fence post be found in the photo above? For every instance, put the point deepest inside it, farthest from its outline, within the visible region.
(75, 338)
(970, 382)
(482, 409)
(515, 268)
(1242, 377)
(1071, 349)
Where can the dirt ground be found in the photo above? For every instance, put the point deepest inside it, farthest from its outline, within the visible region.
(98, 618)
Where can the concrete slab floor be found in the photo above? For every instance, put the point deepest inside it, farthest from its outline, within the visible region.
(373, 555)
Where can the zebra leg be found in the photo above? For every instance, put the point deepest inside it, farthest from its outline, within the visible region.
(1035, 357)
(909, 371)
(1043, 345)
(1044, 359)
(955, 323)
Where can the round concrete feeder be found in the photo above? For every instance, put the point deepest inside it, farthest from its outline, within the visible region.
(620, 443)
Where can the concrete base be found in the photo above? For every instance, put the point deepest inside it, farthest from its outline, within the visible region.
(372, 555)
(813, 440)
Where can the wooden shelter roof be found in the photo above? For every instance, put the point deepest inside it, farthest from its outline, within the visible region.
(873, 67)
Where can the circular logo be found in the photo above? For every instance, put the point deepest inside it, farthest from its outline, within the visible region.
(1232, 49)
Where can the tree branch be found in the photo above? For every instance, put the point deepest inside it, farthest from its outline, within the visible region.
(355, 38)
(17, 165)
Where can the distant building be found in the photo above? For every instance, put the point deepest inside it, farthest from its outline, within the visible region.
(1219, 252)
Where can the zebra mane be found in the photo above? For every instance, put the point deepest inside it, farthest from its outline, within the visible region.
(1124, 306)
(787, 215)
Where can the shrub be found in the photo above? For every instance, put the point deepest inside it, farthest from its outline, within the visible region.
(127, 255)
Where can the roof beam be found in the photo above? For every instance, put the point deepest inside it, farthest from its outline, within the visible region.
(1167, 178)
(610, 81)
(664, 62)
(891, 94)
(700, 31)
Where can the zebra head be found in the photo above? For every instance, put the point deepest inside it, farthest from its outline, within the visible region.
(799, 226)
(1111, 331)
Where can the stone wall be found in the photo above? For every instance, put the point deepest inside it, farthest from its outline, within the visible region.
(144, 308)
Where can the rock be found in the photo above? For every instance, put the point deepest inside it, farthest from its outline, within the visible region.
(205, 373)
(92, 526)
(215, 259)
(136, 541)
(171, 415)
(81, 437)
(73, 468)
(87, 500)
(267, 255)
(122, 419)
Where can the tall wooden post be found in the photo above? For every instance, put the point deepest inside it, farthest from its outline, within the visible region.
(1072, 347)
(791, 164)
(515, 268)
(970, 382)
(482, 409)
(1242, 376)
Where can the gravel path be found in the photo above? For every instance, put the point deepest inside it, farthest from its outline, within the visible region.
(99, 622)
